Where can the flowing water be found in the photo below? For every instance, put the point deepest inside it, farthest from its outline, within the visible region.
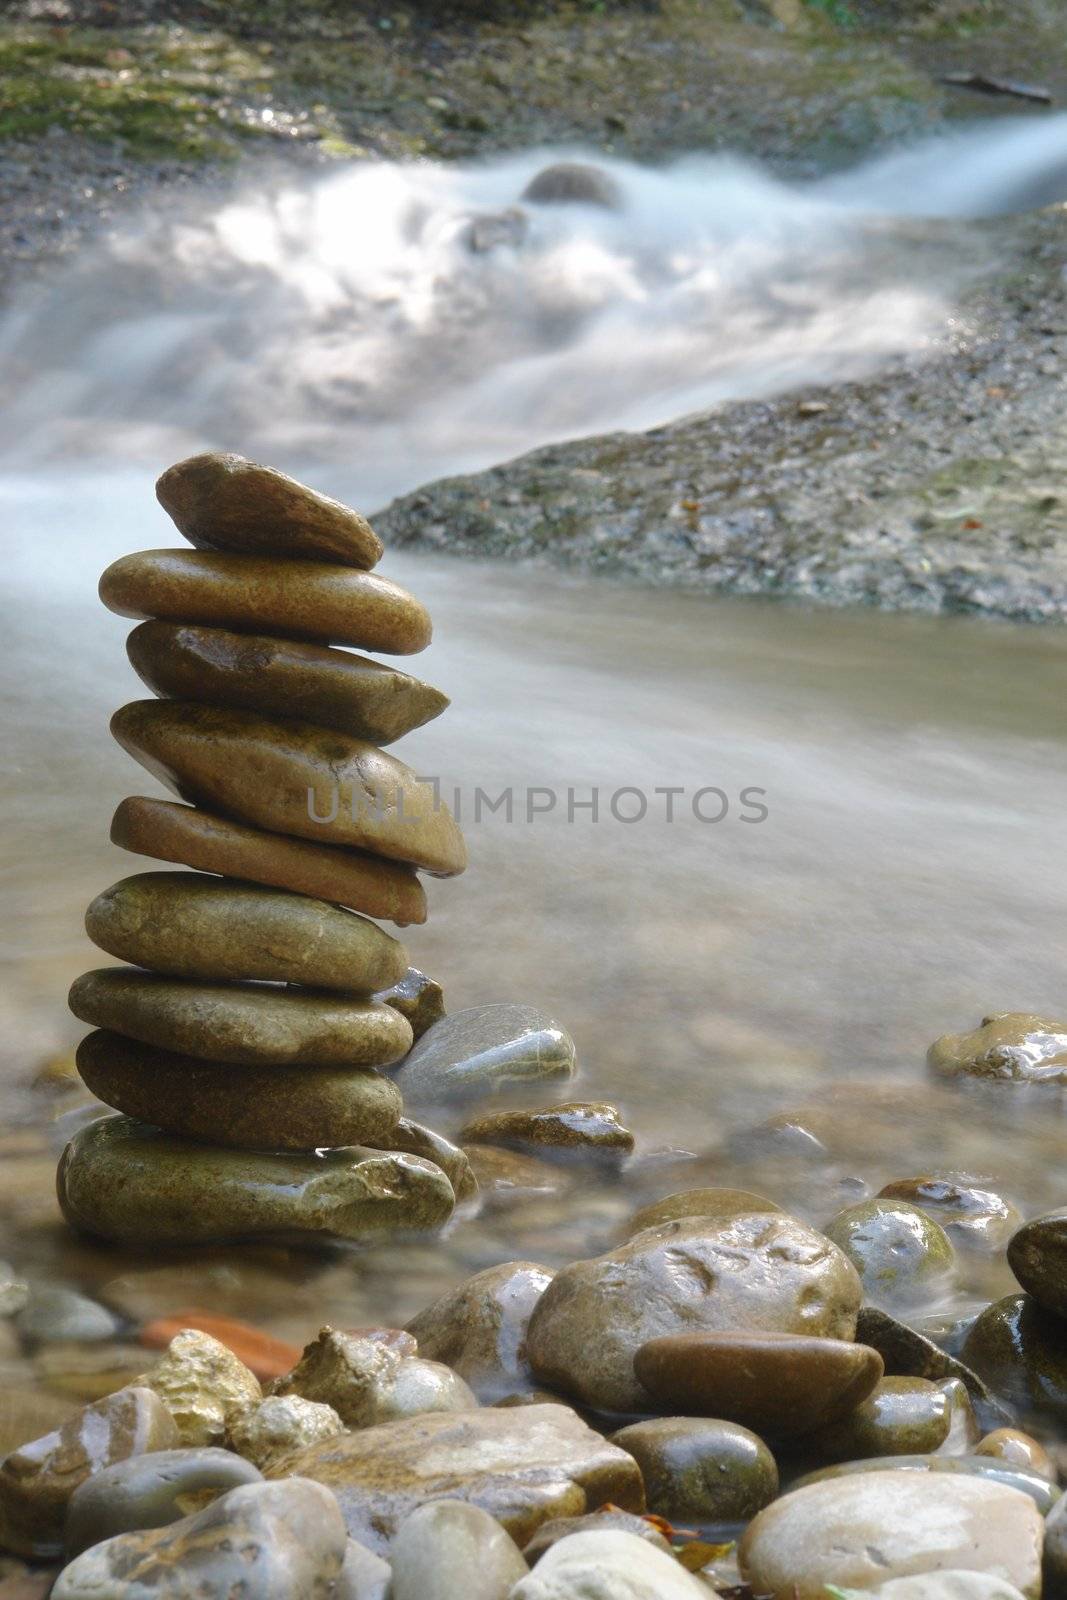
(908, 874)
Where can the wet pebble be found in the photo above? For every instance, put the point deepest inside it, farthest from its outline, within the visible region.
(280, 1425)
(721, 1204)
(1018, 1449)
(700, 1469)
(366, 1382)
(550, 1533)
(974, 1218)
(150, 1491)
(479, 1328)
(204, 1387)
(1016, 1046)
(573, 1130)
(608, 1565)
(900, 1417)
(1021, 1353)
(449, 1550)
(903, 1257)
(417, 997)
(1037, 1255)
(480, 1050)
(1036, 1488)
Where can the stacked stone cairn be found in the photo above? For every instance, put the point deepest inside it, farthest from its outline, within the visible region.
(243, 1046)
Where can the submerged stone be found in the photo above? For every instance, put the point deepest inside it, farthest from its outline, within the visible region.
(121, 1180)
(222, 501)
(480, 1050)
(975, 1218)
(1010, 1045)
(171, 832)
(249, 1108)
(293, 778)
(719, 1204)
(190, 925)
(244, 1024)
(903, 1257)
(574, 1129)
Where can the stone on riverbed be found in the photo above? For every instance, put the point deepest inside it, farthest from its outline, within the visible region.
(779, 1383)
(263, 1541)
(608, 1518)
(574, 1130)
(608, 1565)
(1019, 1450)
(53, 1314)
(976, 1218)
(221, 501)
(1040, 1491)
(281, 1424)
(417, 997)
(122, 1180)
(700, 1469)
(418, 1140)
(768, 1273)
(720, 1204)
(38, 1479)
(150, 1491)
(1037, 1255)
(171, 832)
(1020, 1351)
(902, 1255)
(367, 1382)
(910, 1354)
(480, 1050)
(524, 1466)
(190, 925)
(479, 1327)
(293, 778)
(249, 1108)
(449, 1550)
(901, 1417)
(864, 1530)
(321, 602)
(246, 1024)
(203, 1385)
(1010, 1045)
(947, 1586)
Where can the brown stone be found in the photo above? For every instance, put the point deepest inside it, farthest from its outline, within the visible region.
(762, 1273)
(37, 1480)
(368, 1381)
(249, 1108)
(246, 1024)
(293, 778)
(257, 594)
(417, 997)
(190, 925)
(418, 1140)
(523, 1466)
(700, 1469)
(721, 1204)
(976, 1218)
(224, 502)
(282, 677)
(777, 1383)
(899, 1417)
(1038, 1257)
(24, 1411)
(170, 832)
(574, 1129)
(1017, 1046)
(1018, 1449)
(479, 1327)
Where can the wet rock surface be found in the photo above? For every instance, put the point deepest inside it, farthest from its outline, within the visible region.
(482, 1049)
(150, 1491)
(450, 1550)
(480, 1327)
(900, 1253)
(417, 997)
(573, 1130)
(701, 1469)
(367, 1382)
(1013, 1046)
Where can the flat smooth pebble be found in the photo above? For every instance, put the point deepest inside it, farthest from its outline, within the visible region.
(246, 1024)
(449, 1550)
(167, 831)
(223, 501)
(150, 1491)
(482, 1049)
(293, 778)
(327, 604)
(608, 1565)
(573, 1129)
(419, 1140)
(119, 1179)
(191, 925)
(283, 678)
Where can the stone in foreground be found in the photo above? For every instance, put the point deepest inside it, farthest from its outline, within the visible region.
(368, 1382)
(168, 831)
(243, 1024)
(293, 778)
(777, 1383)
(764, 1273)
(1037, 1255)
(150, 1492)
(264, 1541)
(449, 1550)
(281, 1424)
(480, 1050)
(204, 1386)
(858, 1532)
(700, 1469)
(244, 1108)
(122, 1180)
(479, 1327)
(1016, 1046)
(190, 925)
(282, 677)
(221, 501)
(295, 599)
(38, 1479)
(522, 1466)
(608, 1565)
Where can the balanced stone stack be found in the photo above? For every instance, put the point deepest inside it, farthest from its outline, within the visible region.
(244, 1045)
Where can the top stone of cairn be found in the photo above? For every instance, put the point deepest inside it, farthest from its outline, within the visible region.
(223, 502)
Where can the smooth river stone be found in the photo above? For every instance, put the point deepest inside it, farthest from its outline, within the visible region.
(1017, 1449)
(190, 925)
(1020, 1351)
(1039, 1490)
(245, 1024)
(904, 1258)
(1014, 1045)
(523, 1466)
(607, 1564)
(863, 1530)
(418, 1140)
(246, 1108)
(764, 1273)
(910, 1354)
(901, 1417)
(291, 778)
(977, 1219)
(449, 1550)
(150, 1492)
(282, 677)
(604, 1520)
(121, 1180)
(263, 1541)
(700, 1469)
(38, 1479)
(417, 997)
(1037, 1255)
(171, 832)
(257, 594)
(220, 501)
(480, 1050)
(777, 1383)
(720, 1204)
(574, 1129)
(479, 1327)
